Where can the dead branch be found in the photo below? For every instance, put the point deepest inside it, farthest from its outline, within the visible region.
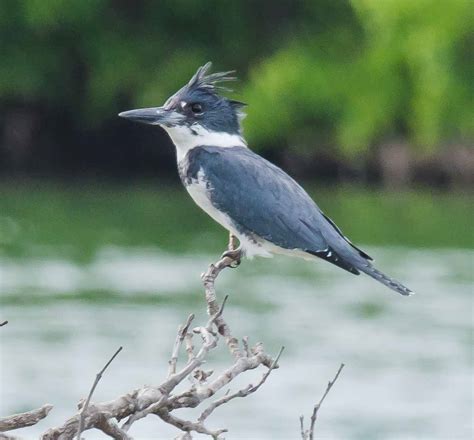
(182, 332)
(308, 434)
(161, 400)
(91, 392)
(22, 420)
(4, 436)
(241, 393)
(3, 323)
(184, 436)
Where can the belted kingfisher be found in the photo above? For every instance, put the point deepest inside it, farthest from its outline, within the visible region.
(268, 211)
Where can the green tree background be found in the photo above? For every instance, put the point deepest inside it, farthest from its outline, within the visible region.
(337, 77)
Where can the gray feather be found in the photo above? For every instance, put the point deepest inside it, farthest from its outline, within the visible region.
(263, 201)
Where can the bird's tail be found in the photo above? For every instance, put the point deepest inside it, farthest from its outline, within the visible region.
(384, 279)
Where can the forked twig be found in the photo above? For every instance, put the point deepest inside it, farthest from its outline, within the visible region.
(241, 393)
(91, 392)
(182, 332)
(309, 433)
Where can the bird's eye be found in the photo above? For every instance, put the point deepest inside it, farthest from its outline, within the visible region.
(196, 108)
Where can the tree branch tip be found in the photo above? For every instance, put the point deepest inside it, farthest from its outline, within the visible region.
(338, 371)
(110, 361)
(218, 314)
(22, 420)
(221, 309)
(183, 329)
(3, 323)
(91, 392)
(275, 362)
(308, 434)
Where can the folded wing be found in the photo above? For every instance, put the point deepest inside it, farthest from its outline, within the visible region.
(262, 199)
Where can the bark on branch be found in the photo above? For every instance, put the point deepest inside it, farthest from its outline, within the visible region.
(25, 419)
(162, 399)
(117, 416)
(308, 434)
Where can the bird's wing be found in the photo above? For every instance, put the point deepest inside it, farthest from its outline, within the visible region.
(262, 199)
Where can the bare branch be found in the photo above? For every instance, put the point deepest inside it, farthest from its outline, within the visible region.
(94, 385)
(228, 259)
(186, 425)
(245, 343)
(314, 416)
(143, 413)
(182, 332)
(163, 399)
(22, 420)
(8, 437)
(241, 393)
(182, 436)
(303, 433)
(309, 433)
(3, 323)
(111, 428)
(267, 373)
(188, 342)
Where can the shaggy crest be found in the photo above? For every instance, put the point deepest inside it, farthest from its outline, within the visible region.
(210, 83)
(222, 114)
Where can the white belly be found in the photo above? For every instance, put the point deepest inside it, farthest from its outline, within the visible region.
(200, 194)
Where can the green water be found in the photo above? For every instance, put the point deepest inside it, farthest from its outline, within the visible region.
(87, 268)
(82, 219)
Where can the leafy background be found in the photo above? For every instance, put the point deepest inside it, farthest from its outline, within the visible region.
(362, 89)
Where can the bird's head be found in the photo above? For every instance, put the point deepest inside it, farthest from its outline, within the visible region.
(196, 113)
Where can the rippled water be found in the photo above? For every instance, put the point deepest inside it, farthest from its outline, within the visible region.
(408, 360)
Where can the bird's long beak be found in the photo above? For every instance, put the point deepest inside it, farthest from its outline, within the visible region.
(153, 115)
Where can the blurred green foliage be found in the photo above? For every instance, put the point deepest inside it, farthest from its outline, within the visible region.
(349, 73)
(402, 69)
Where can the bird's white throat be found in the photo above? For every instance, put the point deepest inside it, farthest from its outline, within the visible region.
(186, 138)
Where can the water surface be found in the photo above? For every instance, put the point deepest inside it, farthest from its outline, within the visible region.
(82, 272)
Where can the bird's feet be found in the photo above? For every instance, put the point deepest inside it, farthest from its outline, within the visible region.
(235, 255)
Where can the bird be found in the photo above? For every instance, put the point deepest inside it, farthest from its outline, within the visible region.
(256, 201)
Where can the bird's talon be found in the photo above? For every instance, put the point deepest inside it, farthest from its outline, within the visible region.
(235, 264)
(235, 255)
